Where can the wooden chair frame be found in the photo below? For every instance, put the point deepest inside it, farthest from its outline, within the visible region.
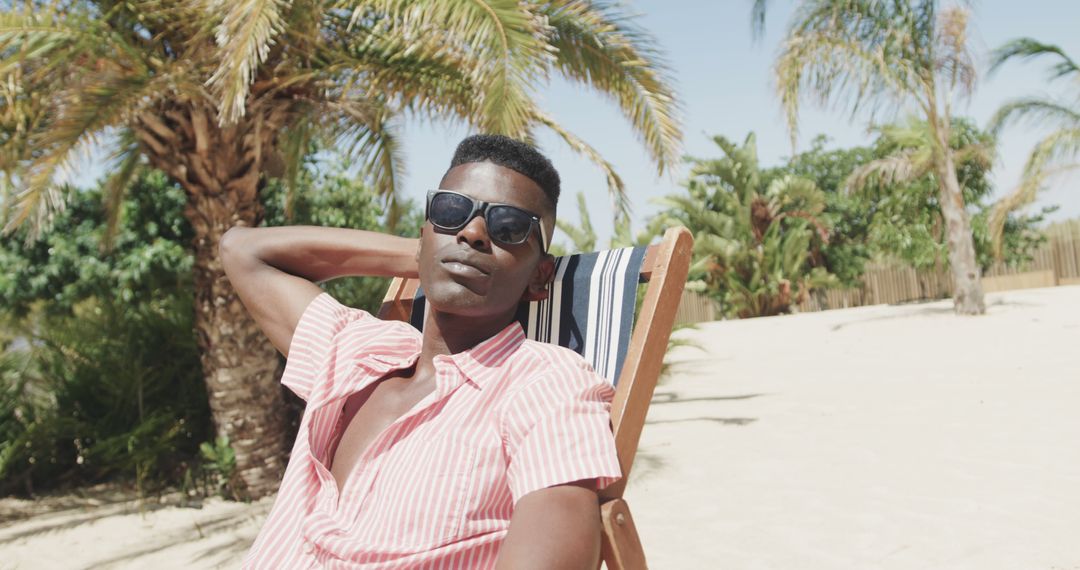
(665, 269)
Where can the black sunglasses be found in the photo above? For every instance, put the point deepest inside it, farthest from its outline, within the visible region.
(506, 224)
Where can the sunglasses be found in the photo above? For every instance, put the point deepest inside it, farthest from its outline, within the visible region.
(507, 225)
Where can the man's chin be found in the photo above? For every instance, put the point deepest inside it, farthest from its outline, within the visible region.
(459, 300)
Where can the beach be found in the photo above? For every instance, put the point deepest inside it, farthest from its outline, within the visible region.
(877, 437)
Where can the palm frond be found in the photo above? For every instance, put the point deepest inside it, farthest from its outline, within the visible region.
(1036, 110)
(1053, 155)
(757, 18)
(366, 131)
(616, 189)
(826, 67)
(600, 47)
(84, 112)
(901, 167)
(294, 145)
(44, 47)
(790, 192)
(876, 53)
(504, 39)
(27, 36)
(1027, 48)
(244, 38)
(420, 77)
(953, 59)
(125, 164)
(583, 237)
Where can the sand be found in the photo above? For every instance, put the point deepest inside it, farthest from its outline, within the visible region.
(879, 437)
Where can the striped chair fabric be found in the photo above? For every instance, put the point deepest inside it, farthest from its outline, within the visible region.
(589, 309)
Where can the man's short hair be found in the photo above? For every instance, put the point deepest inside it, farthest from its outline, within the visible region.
(509, 153)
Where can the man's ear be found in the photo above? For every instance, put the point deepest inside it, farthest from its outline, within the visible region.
(541, 277)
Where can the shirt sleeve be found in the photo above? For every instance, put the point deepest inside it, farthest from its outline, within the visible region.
(315, 342)
(557, 429)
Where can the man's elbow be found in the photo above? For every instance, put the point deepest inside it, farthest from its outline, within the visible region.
(556, 527)
(231, 246)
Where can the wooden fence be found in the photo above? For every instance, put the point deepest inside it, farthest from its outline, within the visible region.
(1057, 262)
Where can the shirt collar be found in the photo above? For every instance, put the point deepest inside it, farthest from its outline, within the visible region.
(482, 363)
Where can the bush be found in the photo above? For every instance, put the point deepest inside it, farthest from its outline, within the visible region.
(115, 391)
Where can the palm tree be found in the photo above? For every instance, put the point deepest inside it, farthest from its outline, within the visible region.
(222, 95)
(888, 56)
(583, 236)
(753, 242)
(912, 155)
(1054, 153)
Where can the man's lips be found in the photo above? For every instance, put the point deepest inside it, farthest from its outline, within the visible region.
(465, 264)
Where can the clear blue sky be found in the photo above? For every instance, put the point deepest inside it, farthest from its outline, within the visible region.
(724, 81)
(725, 84)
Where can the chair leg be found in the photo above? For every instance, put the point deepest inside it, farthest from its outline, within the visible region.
(621, 546)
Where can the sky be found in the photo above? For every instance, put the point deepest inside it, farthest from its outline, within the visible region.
(723, 79)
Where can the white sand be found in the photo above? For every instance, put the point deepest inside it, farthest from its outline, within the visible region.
(880, 437)
(109, 529)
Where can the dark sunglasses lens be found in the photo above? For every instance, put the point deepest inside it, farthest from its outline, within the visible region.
(508, 225)
(450, 210)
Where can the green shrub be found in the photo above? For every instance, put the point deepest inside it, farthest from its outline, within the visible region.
(115, 391)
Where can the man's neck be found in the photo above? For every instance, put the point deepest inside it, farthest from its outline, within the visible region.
(446, 333)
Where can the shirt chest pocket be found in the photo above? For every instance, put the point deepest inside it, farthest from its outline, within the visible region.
(420, 496)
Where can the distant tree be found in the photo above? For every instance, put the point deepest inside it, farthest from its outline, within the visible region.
(755, 245)
(1058, 151)
(888, 55)
(882, 201)
(223, 96)
(848, 215)
(903, 178)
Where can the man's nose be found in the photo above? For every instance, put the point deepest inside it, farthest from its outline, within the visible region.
(475, 233)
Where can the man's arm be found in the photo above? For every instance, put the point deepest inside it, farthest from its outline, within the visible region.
(556, 527)
(275, 270)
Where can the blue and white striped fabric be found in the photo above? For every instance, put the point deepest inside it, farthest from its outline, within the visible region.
(590, 308)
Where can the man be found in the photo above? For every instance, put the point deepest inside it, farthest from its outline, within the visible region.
(465, 446)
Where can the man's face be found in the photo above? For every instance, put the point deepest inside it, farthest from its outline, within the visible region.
(464, 272)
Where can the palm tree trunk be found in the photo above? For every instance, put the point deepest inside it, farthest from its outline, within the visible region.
(220, 170)
(967, 286)
(239, 365)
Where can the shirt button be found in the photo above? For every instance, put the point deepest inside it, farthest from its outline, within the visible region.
(309, 548)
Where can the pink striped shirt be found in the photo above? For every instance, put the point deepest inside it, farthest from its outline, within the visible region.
(436, 489)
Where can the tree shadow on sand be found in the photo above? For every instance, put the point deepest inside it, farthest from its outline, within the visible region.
(214, 555)
(647, 465)
(924, 312)
(56, 513)
(674, 398)
(722, 421)
(661, 398)
(25, 519)
(44, 506)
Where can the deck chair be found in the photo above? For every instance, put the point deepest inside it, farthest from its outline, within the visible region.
(590, 309)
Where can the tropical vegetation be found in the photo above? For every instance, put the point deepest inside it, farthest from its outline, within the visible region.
(756, 244)
(99, 368)
(1056, 152)
(222, 97)
(123, 352)
(887, 56)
